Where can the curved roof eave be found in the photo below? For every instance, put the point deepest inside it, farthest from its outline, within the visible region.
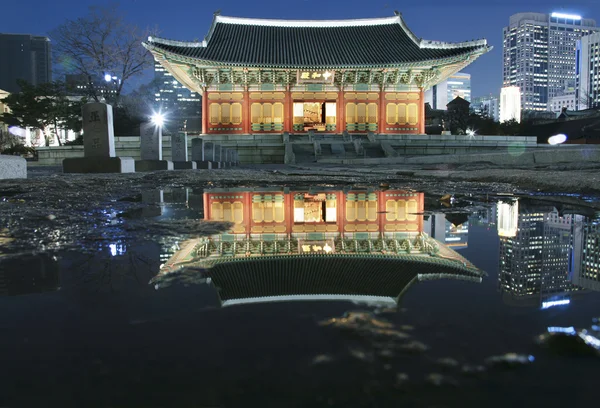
(228, 64)
(397, 18)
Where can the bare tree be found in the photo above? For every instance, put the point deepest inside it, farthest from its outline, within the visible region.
(586, 99)
(98, 45)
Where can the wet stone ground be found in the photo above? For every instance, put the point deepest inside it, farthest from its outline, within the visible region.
(108, 337)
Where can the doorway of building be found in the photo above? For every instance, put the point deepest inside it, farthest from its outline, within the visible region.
(319, 116)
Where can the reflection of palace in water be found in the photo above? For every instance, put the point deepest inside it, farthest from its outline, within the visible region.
(545, 256)
(295, 244)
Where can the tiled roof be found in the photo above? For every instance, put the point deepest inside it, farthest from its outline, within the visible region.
(329, 274)
(327, 44)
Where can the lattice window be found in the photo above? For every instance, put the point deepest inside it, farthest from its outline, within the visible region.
(268, 208)
(225, 113)
(402, 114)
(361, 113)
(413, 114)
(372, 113)
(227, 211)
(401, 210)
(361, 207)
(215, 113)
(266, 113)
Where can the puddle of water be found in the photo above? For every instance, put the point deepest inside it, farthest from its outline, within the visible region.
(327, 296)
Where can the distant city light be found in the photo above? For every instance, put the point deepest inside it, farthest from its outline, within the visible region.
(158, 119)
(567, 330)
(552, 303)
(107, 77)
(567, 16)
(557, 139)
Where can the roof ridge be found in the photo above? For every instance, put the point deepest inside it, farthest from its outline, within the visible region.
(177, 43)
(306, 23)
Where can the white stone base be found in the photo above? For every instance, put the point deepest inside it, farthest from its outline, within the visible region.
(12, 167)
(99, 165)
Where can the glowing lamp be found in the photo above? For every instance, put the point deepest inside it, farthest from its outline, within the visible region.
(158, 119)
(107, 77)
(557, 139)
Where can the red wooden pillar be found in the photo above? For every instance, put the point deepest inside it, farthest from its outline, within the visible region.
(288, 111)
(204, 112)
(289, 212)
(421, 201)
(422, 112)
(206, 206)
(341, 117)
(246, 113)
(381, 125)
(381, 200)
(341, 212)
(247, 212)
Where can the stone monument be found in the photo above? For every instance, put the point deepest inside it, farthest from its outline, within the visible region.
(12, 167)
(198, 154)
(211, 153)
(151, 149)
(98, 144)
(179, 149)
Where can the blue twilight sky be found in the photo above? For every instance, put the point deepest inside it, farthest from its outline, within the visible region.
(443, 20)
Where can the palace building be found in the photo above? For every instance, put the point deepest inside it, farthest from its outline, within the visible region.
(273, 76)
(314, 244)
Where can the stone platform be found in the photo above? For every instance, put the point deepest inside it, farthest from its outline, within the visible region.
(153, 165)
(99, 165)
(184, 165)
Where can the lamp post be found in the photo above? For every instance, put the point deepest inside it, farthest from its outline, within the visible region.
(159, 120)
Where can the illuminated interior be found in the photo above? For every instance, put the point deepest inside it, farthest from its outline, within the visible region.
(319, 116)
(315, 208)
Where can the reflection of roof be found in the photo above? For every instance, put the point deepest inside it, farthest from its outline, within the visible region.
(333, 274)
(368, 270)
(297, 44)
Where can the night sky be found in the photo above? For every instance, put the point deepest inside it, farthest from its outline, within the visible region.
(454, 21)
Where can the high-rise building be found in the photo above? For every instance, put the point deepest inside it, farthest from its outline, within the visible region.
(182, 107)
(510, 103)
(79, 85)
(568, 101)
(587, 260)
(24, 56)
(459, 84)
(539, 55)
(487, 106)
(536, 254)
(588, 72)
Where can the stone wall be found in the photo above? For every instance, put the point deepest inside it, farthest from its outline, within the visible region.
(270, 149)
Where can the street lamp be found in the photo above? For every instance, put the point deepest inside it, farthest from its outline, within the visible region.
(107, 77)
(158, 119)
(557, 139)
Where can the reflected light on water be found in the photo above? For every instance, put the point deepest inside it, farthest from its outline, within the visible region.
(553, 303)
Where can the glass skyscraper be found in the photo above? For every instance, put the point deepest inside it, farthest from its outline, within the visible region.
(539, 55)
(441, 94)
(182, 107)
